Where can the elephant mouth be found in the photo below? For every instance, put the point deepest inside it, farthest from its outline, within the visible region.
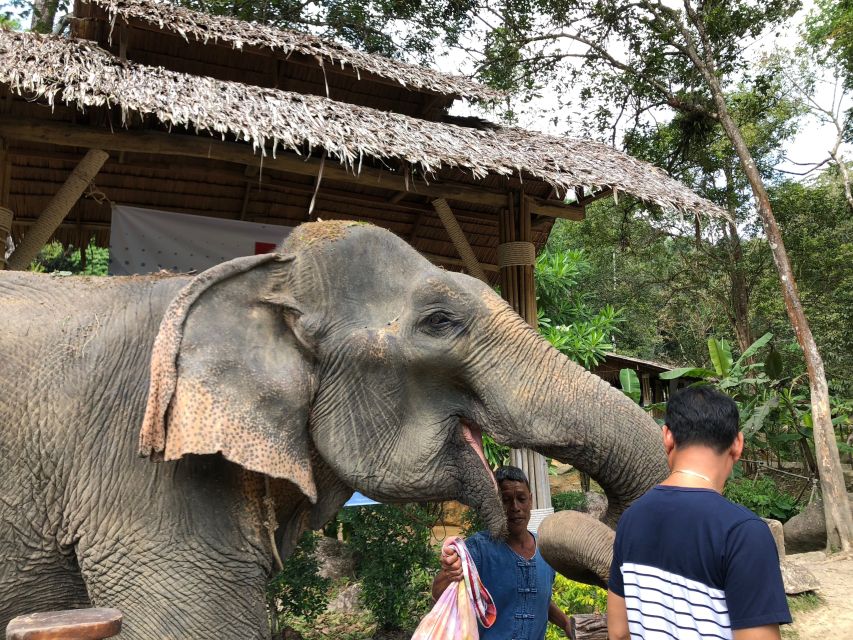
(473, 435)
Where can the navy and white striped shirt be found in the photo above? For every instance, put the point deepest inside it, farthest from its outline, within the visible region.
(693, 566)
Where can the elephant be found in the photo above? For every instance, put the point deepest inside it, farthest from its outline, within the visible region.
(262, 392)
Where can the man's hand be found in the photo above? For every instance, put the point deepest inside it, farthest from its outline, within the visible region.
(451, 564)
(558, 617)
(451, 569)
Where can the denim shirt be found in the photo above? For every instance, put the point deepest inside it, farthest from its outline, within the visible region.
(520, 588)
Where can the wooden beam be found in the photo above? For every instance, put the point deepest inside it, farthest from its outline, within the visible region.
(158, 143)
(57, 209)
(245, 200)
(457, 236)
(554, 209)
(456, 262)
(416, 225)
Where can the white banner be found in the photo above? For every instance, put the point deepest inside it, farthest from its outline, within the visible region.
(148, 240)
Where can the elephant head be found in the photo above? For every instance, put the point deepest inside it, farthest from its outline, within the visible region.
(347, 360)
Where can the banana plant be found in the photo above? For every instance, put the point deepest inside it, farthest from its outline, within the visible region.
(744, 379)
(727, 372)
(630, 384)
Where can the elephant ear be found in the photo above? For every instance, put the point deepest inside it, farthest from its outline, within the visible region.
(229, 376)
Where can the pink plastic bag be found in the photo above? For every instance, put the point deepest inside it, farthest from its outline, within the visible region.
(460, 607)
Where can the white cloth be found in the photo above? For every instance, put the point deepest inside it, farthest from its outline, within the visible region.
(148, 240)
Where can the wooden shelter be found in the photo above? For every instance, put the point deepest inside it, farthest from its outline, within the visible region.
(151, 105)
(653, 389)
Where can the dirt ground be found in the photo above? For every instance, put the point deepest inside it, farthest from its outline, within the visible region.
(833, 618)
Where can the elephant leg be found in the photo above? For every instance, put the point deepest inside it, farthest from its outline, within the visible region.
(177, 588)
(36, 572)
(578, 546)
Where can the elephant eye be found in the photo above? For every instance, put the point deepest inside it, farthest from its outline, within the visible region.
(438, 322)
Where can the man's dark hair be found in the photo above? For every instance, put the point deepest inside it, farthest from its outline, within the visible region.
(510, 473)
(704, 416)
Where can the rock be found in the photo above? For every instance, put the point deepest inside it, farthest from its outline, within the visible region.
(596, 504)
(348, 600)
(778, 532)
(335, 559)
(806, 531)
(797, 579)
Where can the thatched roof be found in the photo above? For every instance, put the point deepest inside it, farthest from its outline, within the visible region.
(79, 73)
(208, 29)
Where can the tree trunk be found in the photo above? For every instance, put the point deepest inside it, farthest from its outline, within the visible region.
(44, 15)
(738, 289)
(839, 520)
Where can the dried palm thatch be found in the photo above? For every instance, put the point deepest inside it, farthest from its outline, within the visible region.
(79, 73)
(204, 28)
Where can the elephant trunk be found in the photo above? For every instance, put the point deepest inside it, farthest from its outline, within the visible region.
(551, 405)
(578, 546)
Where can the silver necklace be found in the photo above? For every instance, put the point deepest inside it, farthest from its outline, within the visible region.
(696, 474)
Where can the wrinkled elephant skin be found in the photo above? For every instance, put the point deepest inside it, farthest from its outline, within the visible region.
(263, 391)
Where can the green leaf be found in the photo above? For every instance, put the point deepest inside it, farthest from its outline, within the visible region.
(773, 364)
(687, 372)
(752, 349)
(630, 384)
(755, 421)
(721, 356)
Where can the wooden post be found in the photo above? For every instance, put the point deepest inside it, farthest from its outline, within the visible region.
(5, 210)
(588, 626)
(519, 289)
(57, 209)
(81, 624)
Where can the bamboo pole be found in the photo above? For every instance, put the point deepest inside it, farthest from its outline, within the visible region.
(57, 209)
(518, 289)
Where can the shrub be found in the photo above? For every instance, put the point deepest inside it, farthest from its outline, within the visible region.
(761, 496)
(575, 597)
(394, 560)
(298, 589)
(569, 501)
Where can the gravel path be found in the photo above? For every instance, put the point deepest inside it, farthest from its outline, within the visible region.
(834, 618)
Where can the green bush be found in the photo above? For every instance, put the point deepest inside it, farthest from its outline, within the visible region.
(575, 597)
(55, 257)
(298, 589)
(569, 501)
(394, 560)
(762, 497)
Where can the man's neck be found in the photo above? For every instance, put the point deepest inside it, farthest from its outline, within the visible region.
(698, 468)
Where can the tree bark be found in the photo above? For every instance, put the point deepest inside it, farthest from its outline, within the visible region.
(738, 289)
(839, 520)
(44, 15)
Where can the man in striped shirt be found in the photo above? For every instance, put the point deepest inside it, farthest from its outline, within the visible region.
(687, 563)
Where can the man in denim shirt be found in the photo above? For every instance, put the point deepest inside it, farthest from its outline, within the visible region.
(513, 571)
